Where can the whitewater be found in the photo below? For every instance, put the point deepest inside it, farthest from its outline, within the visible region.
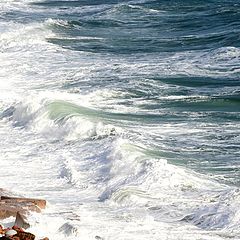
(123, 115)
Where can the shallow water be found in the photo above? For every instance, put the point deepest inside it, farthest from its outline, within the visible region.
(124, 115)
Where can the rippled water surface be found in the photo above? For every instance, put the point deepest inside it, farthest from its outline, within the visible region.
(124, 115)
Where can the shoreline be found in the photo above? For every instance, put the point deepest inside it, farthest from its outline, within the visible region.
(20, 208)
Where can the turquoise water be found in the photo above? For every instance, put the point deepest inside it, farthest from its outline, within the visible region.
(135, 104)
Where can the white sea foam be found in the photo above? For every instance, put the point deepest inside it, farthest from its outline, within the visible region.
(125, 178)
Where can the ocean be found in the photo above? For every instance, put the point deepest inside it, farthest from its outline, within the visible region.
(124, 116)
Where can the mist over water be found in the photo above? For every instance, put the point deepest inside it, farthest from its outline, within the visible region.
(124, 115)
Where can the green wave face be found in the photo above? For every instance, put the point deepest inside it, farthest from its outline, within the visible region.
(62, 110)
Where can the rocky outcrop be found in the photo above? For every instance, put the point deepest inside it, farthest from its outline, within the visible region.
(19, 208)
(27, 201)
(21, 221)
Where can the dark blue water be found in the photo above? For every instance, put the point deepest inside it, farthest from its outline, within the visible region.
(148, 27)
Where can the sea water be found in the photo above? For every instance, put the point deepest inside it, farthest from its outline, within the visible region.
(123, 115)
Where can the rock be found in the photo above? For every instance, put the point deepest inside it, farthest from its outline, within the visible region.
(9, 206)
(98, 238)
(10, 233)
(38, 202)
(8, 210)
(1, 229)
(25, 236)
(21, 221)
(68, 229)
(4, 238)
(19, 208)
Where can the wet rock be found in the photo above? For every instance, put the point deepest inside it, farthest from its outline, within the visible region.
(8, 210)
(98, 238)
(21, 221)
(10, 206)
(25, 236)
(4, 238)
(38, 202)
(19, 208)
(10, 233)
(67, 229)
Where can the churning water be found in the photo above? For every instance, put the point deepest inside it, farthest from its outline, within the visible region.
(124, 115)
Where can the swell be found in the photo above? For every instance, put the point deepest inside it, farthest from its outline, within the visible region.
(147, 28)
(200, 82)
(71, 3)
